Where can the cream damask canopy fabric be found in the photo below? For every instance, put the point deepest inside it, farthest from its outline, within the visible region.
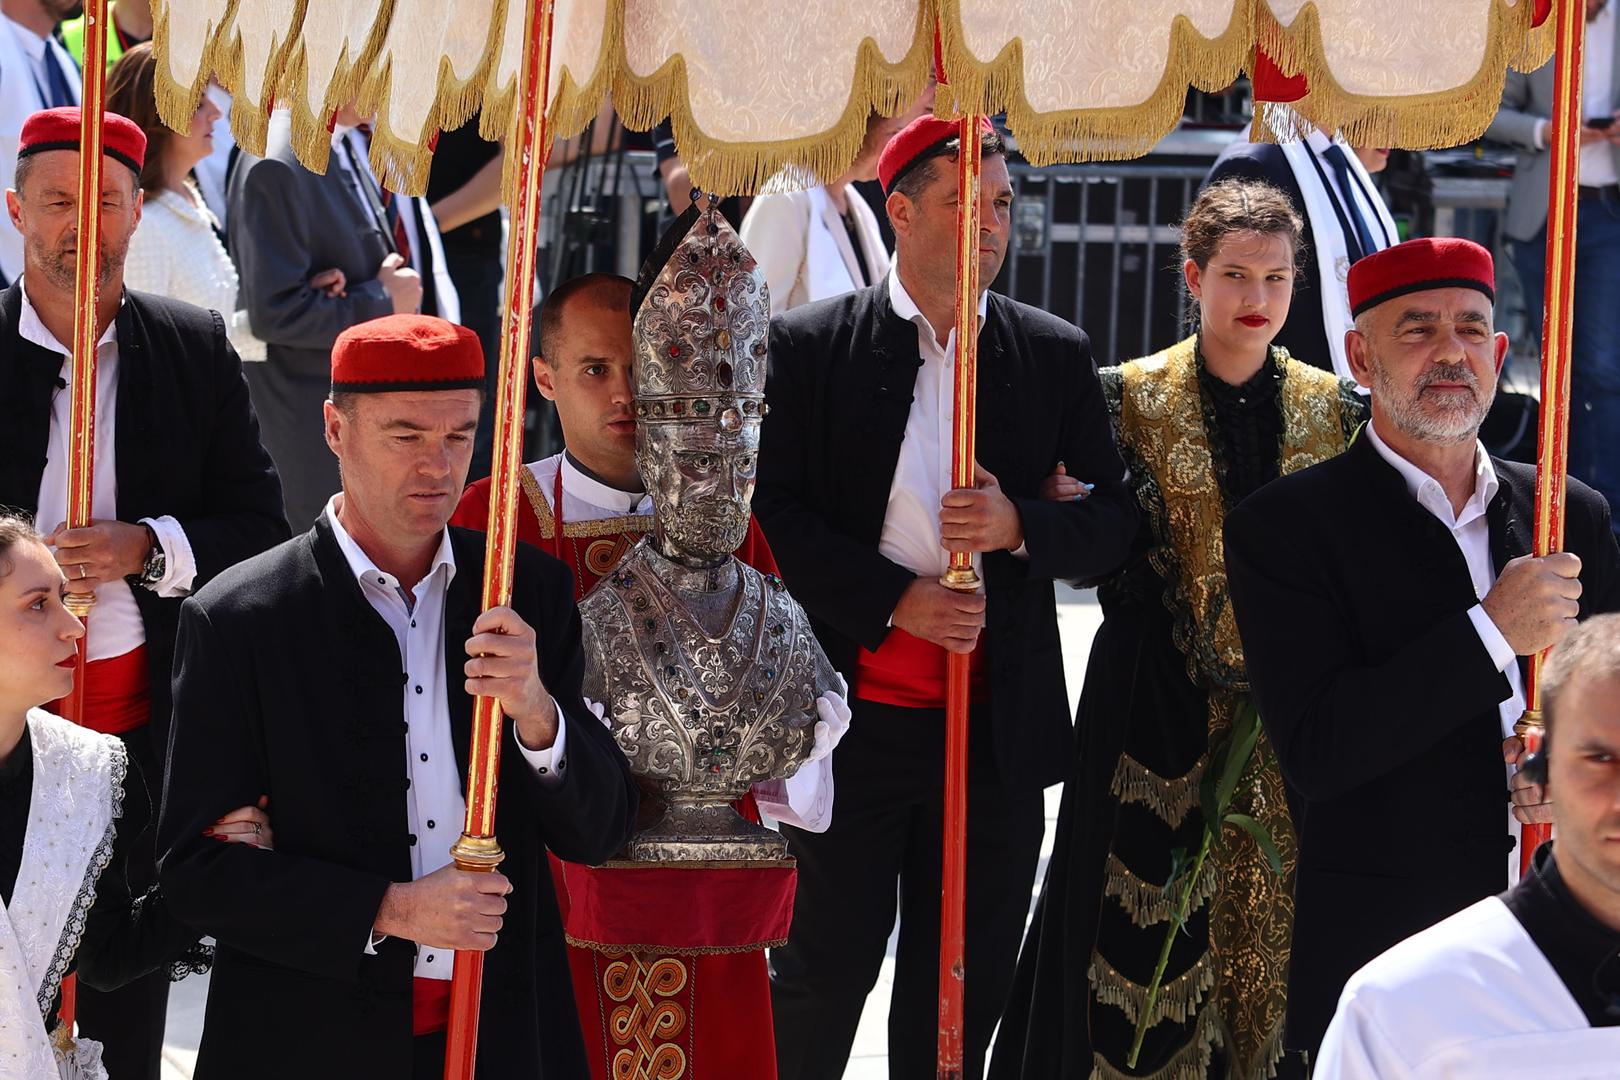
(752, 86)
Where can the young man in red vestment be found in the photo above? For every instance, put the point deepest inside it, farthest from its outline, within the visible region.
(583, 366)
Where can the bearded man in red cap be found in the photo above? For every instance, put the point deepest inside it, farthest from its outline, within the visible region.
(337, 672)
(855, 498)
(1386, 601)
(182, 487)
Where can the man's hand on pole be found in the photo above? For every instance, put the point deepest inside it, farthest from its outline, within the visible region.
(448, 909)
(946, 617)
(1532, 802)
(980, 518)
(100, 552)
(505, 666)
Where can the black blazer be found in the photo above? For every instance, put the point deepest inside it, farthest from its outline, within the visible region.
(842, 372)
(187, 445)
(288, 684)
(1303, 335)
(1381, 701)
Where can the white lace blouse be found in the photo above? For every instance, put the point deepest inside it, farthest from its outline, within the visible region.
(176, 253)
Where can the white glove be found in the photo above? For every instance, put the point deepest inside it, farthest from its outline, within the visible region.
(834, 715)
(600, 712)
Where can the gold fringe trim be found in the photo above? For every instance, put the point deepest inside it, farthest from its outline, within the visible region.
(1439, 119)
(1266, 1062)
(1191, 1062)
(732, 168)
(612, 526)
(1172, 800)
(223, 59)
(617, 948)
(1178, 997)
(1092, 134)
(1415, 122)
(1146, 903)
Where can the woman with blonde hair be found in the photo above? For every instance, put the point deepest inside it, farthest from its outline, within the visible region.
(1200, 425)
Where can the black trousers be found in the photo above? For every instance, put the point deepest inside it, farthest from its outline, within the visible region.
(886, 837)
(129, 1021)
(427, 1056)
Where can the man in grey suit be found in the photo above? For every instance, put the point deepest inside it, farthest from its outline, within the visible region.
(1524, 122)
(287, 225)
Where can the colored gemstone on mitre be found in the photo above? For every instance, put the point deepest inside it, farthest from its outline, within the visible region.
(722, 338)
(722, 370)
(719, 303)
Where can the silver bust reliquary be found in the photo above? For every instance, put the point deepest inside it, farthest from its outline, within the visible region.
(708, 669)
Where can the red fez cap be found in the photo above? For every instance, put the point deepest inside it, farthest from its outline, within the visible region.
(1436, 262)
(406, 352)
(908, 145)
(58, 129)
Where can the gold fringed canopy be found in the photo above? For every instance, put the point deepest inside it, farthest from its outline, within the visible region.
(756, 86)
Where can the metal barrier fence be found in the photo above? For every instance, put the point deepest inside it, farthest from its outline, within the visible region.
(1098, 245)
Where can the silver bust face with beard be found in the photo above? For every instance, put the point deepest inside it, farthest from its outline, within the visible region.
(701, 480)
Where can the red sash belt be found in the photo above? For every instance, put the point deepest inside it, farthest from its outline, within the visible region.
(117, 693)
(909, 672)
(430, 1005)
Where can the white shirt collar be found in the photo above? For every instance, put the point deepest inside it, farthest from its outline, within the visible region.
(32, 43)
(1427, 490)
(366, 569)
(593, 491)
(30, 327)
(905, 307)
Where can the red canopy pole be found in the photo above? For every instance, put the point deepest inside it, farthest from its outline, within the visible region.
(960, 576)
(82, 400)
(1552, 454)
(478, 850)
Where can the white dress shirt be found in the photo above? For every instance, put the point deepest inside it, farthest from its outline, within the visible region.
(922, 475)
(23, 81)
(1472, 532)
(585, 498)
(435, 804)
(114, 626)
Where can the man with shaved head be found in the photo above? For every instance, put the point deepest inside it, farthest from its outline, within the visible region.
(1387, 600)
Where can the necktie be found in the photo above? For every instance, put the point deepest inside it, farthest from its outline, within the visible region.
(390, 205)
(1334, 156)
(57, 88)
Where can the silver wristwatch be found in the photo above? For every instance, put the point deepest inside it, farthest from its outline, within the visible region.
(157, 564)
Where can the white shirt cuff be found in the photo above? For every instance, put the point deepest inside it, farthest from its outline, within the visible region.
(373, 940)
(1502, 653)
(180, 563)
(1022, 551)
(552, 762)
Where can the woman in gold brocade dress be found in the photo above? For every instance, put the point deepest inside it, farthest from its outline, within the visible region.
(1201, 425)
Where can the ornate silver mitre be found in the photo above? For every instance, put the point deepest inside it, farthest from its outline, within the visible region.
(708, 669)
(702, 317)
